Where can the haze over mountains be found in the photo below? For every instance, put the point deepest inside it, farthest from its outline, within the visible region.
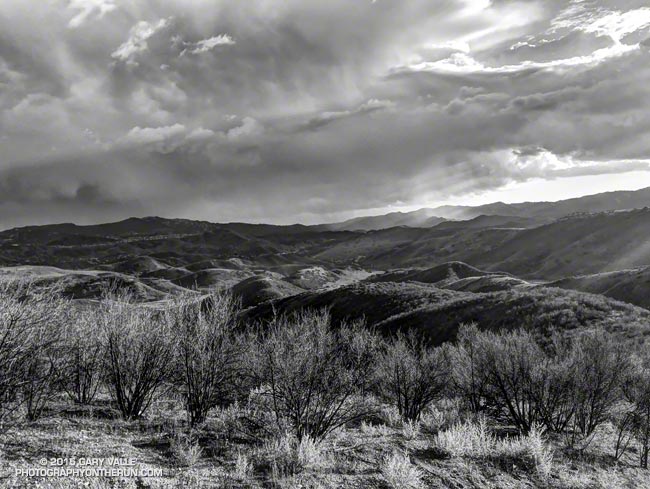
(566, 263)
(534, 212)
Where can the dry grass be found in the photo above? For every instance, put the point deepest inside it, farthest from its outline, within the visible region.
(186, 451)
(399, 473)
(372, 455)
(475, 439)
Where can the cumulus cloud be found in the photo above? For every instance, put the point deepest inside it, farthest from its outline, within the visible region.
(205, 45)
(148, 135)
(137, 41)
(87, 9)
(166, 139)
(248, 128)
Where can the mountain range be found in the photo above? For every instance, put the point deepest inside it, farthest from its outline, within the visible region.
(567, 263)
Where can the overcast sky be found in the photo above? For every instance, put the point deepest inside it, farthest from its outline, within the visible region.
(312, 110)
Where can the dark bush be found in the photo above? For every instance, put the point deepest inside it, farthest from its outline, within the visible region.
(601, 364)
(411, 375)
(139, 353)
(635, 421)
(31, 330)
(83, 351)
(210, 370)
(313, 374)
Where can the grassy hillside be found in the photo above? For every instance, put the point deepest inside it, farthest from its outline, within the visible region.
(582, 244)
(406, 247)
(438, 312)
(491, 221)
(375, 302)
(631, 286)
(448, 272)
(91, 284)
(259, 289)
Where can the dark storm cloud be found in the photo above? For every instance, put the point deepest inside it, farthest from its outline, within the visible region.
(293, 110)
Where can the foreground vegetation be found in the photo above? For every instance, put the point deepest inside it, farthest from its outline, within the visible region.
(295, 402)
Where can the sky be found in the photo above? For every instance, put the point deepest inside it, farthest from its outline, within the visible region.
(311, 111)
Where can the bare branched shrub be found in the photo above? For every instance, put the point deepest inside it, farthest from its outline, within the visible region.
(31, 329)
(570, 386)
(83, 373)
(313, 373)
(139, 352)
(411, 375)
(552, 389)
(511, 362)
(496, 372)
(601, 365)
(635, 423)
(209, 351)
(468, 376)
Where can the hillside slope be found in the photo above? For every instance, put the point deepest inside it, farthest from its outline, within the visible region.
(447, 272)
(419, 218)
(437, 313)
(259, 289)
(607, 201)
(578, 245)
(631, 286)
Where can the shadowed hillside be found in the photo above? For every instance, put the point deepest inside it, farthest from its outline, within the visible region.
(438, 312)
(420, 218)
(580, 244)
(447, 272)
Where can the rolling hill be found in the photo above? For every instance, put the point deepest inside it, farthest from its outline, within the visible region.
(491, 221)
(437, 313)
(447, 272)
(536, 212)
(607, 201)
(415, 219)
(493, 252)
(91, 284)
(256, 290)
(631, 286)
(576, 245)
(453, 276)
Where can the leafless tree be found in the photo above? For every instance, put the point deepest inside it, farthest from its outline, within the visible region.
(210, 351)
(139, 352)
(31, 323)
(468, 378)
(635, 421)
(411, 375)
(602, 363)
(84, 367)
(314, 373)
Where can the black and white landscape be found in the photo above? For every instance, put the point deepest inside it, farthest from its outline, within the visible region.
(309, 244)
